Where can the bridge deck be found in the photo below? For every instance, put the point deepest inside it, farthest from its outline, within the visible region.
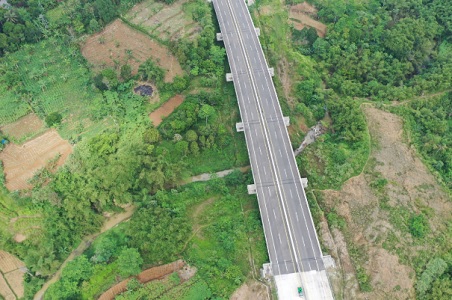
(291, 238)
(292, 243)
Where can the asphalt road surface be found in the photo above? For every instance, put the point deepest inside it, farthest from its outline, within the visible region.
(289, 230)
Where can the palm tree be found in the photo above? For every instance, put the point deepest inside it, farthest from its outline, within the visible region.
(10, 16)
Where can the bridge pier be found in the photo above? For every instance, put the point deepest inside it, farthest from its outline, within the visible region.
(286, 121)
(219, 37)
(229, 77)
(304, 182)
(258, 31)
(240, 127)
(271, 71)
(251, 189)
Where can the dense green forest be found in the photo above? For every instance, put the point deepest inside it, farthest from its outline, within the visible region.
(374, 50)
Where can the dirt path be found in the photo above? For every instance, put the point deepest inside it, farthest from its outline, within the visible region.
(220, 174)
(110, 223)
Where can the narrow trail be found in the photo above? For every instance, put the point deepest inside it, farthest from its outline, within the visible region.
(208, 176)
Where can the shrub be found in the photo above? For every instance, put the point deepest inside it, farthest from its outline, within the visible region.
(418, 226)
(53, 119)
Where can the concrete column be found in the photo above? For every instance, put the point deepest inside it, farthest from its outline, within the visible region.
(272, 71)
(240, 127)
(229, 77)
(286, 121)
(258, 31)
(251, 189)
(219, 37)
(304, 182)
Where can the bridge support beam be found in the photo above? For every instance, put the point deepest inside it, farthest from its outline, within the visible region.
(271, 71)
(219, 37)
(286, 121)
(304, 182)
(240, 127)
(251, 189)
(258, 31)
(228, 77)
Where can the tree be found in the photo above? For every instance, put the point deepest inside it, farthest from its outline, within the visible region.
(151, 136)
(435, 268)
(194, 148)
(126, 72)
(106, 10)
(10, 16)
(191, 136)
(206, 112)
(104, 249)
(418, 226)
(129, 262)
(53, 119)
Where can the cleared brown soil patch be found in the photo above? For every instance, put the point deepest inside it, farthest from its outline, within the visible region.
(5, 291)
(410, 187)
(113, 43)
(300, 17)
(15, 280)
(143, 277)
(9, 262)
(166, 109)
(25, 126)
(252, 290)
(11, 276)
(21, 162)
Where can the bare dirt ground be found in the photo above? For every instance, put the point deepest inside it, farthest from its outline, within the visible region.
(11, 276)
(118, 42)
(166, 109)
(168, 22)
(302, 15)
(252, 290)
(21, 162)
(410, 187)
(25, 126)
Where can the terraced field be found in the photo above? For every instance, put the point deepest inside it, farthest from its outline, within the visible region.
(165, 22)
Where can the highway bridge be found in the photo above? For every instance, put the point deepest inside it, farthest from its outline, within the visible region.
(293, 247)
